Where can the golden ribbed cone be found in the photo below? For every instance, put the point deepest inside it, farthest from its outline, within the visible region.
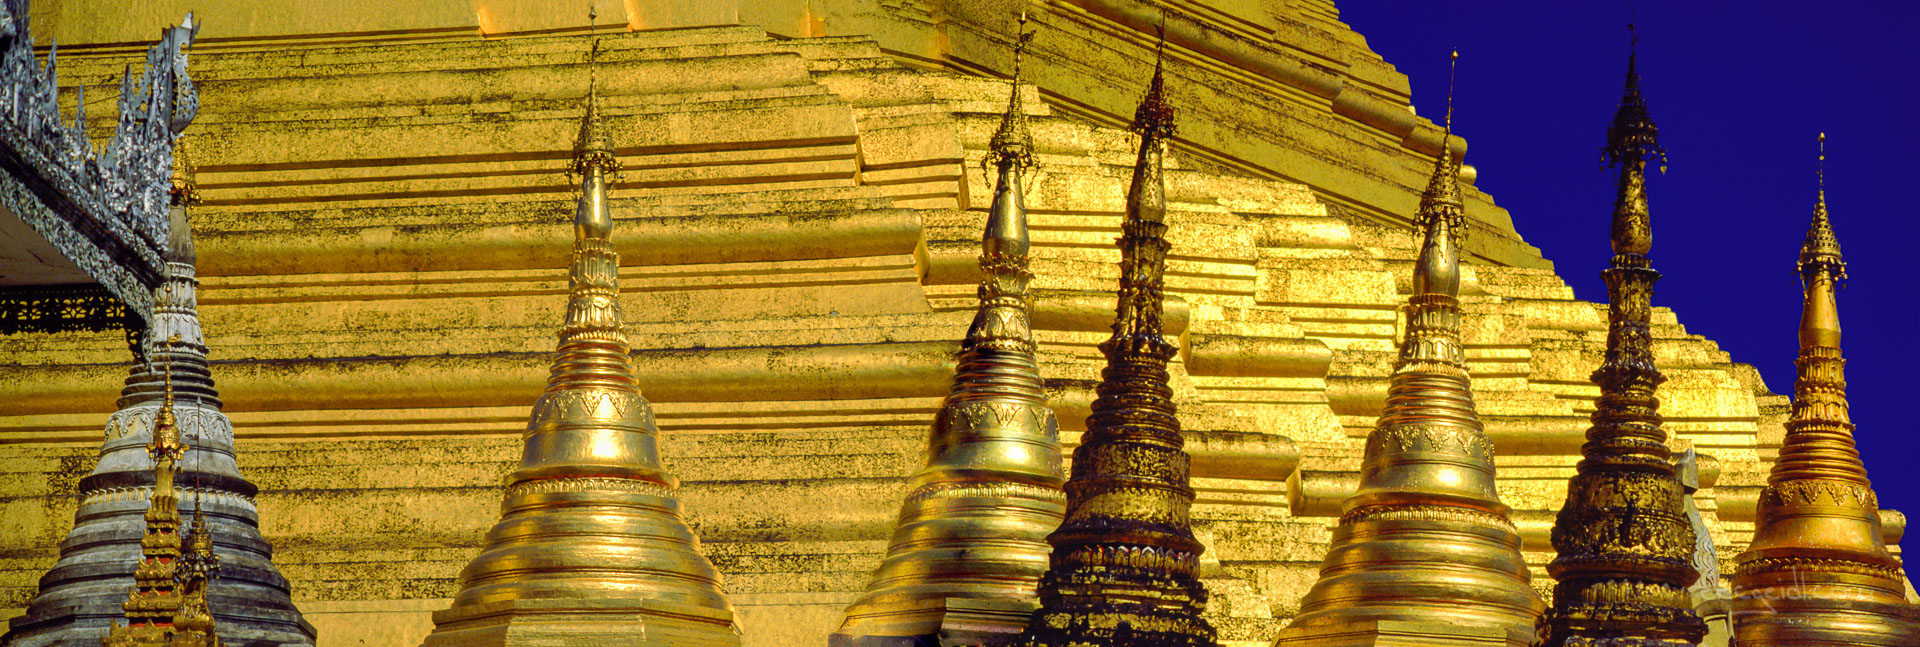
(1625, 545)
(1426, 539)
(970, 544)
(1818, 571)
(590, 545)
(1123, 571)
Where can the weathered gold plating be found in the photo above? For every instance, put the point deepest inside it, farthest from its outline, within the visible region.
(590, 526)
(1624, 541)
(1818, 571)
(1124, 561)
(1426, 538)
(970, 544)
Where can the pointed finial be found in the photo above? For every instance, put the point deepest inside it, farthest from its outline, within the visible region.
(1633, 135)
(1452, 64)
(166, 401)
(1160, 49)
(193, 474)
(1442, 217)
(1442, 197)
(166, 435)
(1820, 253)
(1154, 117)
(1013, 142)
(595, 145)
(1820, 171)
(205, 560)
(1021, 38)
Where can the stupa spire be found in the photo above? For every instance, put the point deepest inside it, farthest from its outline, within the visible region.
(1124, 562)
(157, 599)
(970, 544)
(1425, 542)
(1625, 544)
(590, 526)
(1818, 571)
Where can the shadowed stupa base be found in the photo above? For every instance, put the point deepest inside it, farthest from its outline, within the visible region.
(961, 622)
(624, 622)
(1800, 618)
(1395, 633)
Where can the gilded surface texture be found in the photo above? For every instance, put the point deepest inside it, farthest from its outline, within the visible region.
(1818, 571)
(1624, 543)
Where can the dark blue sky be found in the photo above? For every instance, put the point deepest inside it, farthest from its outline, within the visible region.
(1740, 90)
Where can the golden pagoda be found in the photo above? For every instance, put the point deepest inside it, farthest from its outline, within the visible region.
(591, 544)
(1818, 571)
(157, 604)
(971, 545)
(1425, 547)
(1125, 561)
(1625, 546)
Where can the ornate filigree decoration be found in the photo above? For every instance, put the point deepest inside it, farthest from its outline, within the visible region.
(589, 484)
(1433, 438)
(142, 493)
(1801, 566)
(106, 210)
(208, 424)
(1012, 143)
(65, 308)
(1427, 513)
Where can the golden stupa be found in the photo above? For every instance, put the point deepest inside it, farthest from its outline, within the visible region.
(971, 544)
(1818, 571)
(1125, 562)
(590, 543)
(1625, 546)
(1425, 547)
